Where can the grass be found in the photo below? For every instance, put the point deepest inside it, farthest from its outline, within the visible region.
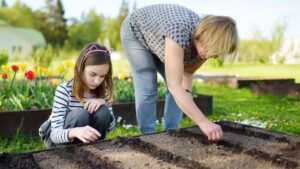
(240, 105)
(255, 70)
(276, 113)
(20, 143)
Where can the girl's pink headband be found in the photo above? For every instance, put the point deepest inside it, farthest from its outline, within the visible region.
(94, 49)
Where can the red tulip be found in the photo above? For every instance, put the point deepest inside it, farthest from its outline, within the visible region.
(29, 75)
(4, 76)
(15, 68)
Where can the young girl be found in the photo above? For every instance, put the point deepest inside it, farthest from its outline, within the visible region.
(82, 106)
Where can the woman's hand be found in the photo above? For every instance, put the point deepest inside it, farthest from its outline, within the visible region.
(211, 130)
(94, 104)
(179, 79)
(86, 134)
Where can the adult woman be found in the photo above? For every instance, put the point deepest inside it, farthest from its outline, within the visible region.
(174, 41)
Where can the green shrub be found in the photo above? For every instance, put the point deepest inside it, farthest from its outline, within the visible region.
(260, 48)
(44, 56)
(3, 57)
(123, 90)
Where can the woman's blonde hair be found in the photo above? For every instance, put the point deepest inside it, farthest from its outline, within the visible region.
(218, 35)
(93, 54)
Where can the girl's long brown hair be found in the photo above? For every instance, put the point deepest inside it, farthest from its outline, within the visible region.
(86, 58)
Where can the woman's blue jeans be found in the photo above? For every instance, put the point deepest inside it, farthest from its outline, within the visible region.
(144, 67)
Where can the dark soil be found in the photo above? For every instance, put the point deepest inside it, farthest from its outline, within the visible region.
(243, 147)
(155, 151)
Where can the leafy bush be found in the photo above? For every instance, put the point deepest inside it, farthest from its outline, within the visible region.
(260, 48)
(3, 57)
(44, 56)
(123, 90)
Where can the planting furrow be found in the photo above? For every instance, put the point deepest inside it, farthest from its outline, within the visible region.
(257, 132)
(200, 150)
(242, 147)
(83, 159)
(126, 157)
(15, 161)
(159, 152)
(52, 159)
(258, 148)
(273, 148)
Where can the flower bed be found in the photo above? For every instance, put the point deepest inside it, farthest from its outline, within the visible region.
(28, 121)
(25, 93)
(26, 103)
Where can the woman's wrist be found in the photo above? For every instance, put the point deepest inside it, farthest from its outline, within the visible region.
(201, 120)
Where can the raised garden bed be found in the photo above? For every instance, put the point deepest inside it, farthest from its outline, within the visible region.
(277, 89)
(243, 82)
(247, 82)
(243, 147)
(230, 80)
(28, 121)
(126, 111)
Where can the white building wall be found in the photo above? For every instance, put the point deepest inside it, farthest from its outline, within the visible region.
(14, 44)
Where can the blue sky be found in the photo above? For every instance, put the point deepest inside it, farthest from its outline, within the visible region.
(249, 14)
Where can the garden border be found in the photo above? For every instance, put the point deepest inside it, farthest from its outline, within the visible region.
(248, 82)
(28, 121)
(243, 82)
(280, 90)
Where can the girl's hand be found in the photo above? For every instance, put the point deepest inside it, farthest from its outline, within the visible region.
(86, 134)
(94, 104)
(211, 130)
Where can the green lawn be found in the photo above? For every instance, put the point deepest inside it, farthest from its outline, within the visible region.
(240, 105)
(255, 70)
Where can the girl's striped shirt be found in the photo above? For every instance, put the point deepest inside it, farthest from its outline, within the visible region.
(64, 102)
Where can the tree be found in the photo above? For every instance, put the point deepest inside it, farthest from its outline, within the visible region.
(60, 32)
(41, 23)
(88, 29)
(19, 15)
(113, 26)
(260, 48)
(52, 23)
(3, 4)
